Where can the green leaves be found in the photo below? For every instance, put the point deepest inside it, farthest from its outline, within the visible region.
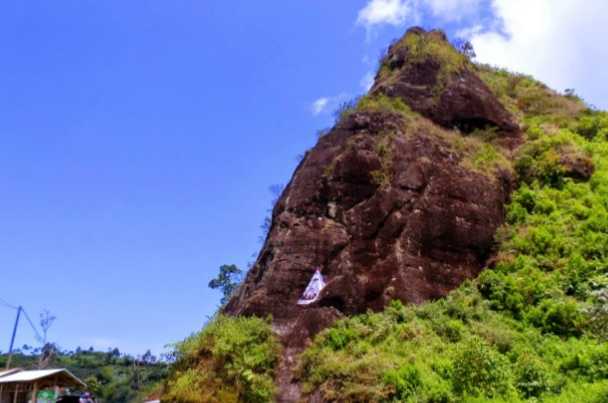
(594, 124)
(227, 280)
(405, 381)
(231, 359)
(480, 370)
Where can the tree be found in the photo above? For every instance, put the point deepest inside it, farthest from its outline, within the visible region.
(49, 350)
(227, 280)
(148, 358)
(46, 321)
(570, 93)
(466, 48)
(47, 354)
(94, 385)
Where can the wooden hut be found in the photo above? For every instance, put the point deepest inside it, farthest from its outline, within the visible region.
(20, 386)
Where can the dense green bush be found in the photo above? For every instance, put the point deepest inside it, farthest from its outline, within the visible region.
(403, 354)
(592, 124)
(481, 370)
(230, 360)
(532, 377)
(542, 157)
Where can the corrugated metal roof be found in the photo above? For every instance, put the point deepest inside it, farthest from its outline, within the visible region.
(29, 376)
(9, 371)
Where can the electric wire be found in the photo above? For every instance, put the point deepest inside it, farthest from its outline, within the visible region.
(7, 305)
(38, 336)
(27, 317)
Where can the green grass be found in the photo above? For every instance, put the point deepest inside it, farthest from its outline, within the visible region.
(425, 47)
(383, 103)
(431, 46)
(384, 150)
(524, 96)
(541, 158)
(232, 359)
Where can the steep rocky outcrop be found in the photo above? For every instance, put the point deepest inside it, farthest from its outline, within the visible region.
(401, 200)
(386, 204)
(437, 82)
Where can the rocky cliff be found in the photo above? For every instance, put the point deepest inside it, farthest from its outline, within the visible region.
(393, 202)
(447, 170)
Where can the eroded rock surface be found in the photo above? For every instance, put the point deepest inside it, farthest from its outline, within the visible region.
(384, 207)
(440, 84)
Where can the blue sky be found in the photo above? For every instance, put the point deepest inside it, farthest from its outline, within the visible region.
(138, 139)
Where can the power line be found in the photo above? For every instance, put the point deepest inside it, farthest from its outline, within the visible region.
(7, 305)
(27, 317)
(38, 336)
(20, 310)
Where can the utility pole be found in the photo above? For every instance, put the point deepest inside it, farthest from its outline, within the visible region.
(10, 350)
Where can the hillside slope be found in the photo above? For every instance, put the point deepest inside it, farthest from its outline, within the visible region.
(445, 168)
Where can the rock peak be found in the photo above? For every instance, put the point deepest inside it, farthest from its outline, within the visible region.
(386, 204)
(436, 80)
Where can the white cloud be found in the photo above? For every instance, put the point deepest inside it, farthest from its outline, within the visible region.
(326, 105)
(379, 12)
(319, 105)
(559, 42)
(398, 12)
(469, 32)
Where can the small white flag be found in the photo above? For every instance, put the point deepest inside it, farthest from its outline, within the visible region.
(312, 291)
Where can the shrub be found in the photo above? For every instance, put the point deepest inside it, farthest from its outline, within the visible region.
(582, 392)
(560, 316)
(231, 359)
(338, 338)
(383, 103)
(479, 370)
(592, 124)
(590, 364)
(450, 329)
(531, 377)
(405, 381)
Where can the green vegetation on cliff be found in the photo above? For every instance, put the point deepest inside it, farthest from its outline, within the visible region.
(533, 326)
(230, 360)
(423, 49)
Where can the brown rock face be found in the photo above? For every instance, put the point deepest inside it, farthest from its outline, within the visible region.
(435, 82)
(385, 208)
